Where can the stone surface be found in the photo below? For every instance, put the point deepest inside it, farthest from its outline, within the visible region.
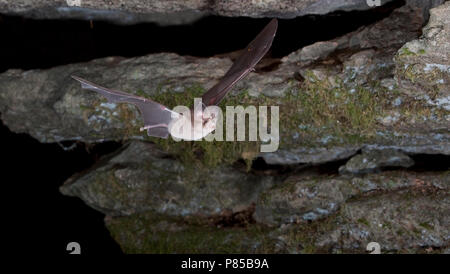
(309, 155)
(399, 222)
(404, 214)
(423, 65)
(155, 233)
(374, 161)
(142, 178)
(309, 198)
(57, 109)
(174, 12)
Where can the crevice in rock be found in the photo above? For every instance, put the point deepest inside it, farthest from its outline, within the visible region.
(228, 218)
(34, 172)
(422, 163)
(39, 44)
(430, 162)
(259, 167)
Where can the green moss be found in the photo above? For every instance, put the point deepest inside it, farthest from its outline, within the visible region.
(407, 52)
(329, 110)
(410, 74)
(416, 110)
(306, 235)
(363, 221)
(155, 233)
(86, 108)
(107, 184)
(199, 154)
(427, 226)
(387, 225)
(141, 93)
(416, 231)
(172, 99)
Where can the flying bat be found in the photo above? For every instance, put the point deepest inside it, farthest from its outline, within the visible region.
(160, 121)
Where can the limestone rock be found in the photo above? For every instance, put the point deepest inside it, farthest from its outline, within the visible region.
(142, 178)
(310, 198)
(374, 161)
(174, 12)
(423, 65)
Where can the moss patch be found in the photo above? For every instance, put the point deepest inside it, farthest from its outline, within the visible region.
(153, 233)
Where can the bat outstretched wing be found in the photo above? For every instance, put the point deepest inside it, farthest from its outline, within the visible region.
(243, 65)
(156, 116)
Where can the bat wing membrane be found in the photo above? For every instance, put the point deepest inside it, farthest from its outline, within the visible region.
(156, 116)
(251, 55)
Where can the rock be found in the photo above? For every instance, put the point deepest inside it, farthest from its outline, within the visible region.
(119, 12)
(312, 52)
(374, 161)
(371, 65)
(173, 12)
(52, 107)
(311, 198)
(375, 45)
(359, 64)
(399, 222)
(423, 65)
(142, 178)
(430, 149)
(390, 119)
(155, 233)
(301, 199)
(309, 155)
(404, 214)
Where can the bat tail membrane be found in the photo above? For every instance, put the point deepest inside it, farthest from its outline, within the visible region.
(156, 116)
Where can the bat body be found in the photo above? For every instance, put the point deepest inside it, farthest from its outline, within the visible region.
(160, 121)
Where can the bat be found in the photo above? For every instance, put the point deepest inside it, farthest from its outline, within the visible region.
(160, 121)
